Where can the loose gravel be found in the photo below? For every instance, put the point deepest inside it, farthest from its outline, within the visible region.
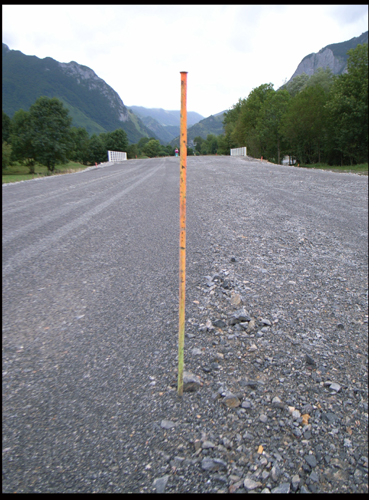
(276, 360)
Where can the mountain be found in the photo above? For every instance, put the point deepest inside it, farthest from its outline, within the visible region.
(211, 125)
(92, 103)
(333, 56)
(165, 117)
(165, 124)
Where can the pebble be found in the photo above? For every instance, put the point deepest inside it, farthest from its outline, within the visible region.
(311, 460)
(167, 424)
(282, 488)
(191, 382)
(160, 483)
(213, 464)
(250, 484)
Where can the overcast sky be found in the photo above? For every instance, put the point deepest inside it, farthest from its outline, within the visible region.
(139, 50)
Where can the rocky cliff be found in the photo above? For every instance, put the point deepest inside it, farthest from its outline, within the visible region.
(332, 56)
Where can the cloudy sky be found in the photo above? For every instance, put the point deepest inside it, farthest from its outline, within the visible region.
(139, 50)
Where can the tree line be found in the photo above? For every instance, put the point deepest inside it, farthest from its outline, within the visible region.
(44, 135)
(321, 118)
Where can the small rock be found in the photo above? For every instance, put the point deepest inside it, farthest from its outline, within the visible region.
(219, 323)
(209, 325)
(296, 414)
(248, 436)
(167, 424)
(213, 464)
(335, 387)
(276, 473)
(250, 484)
(265, 490)
(282, 488)
(311, 460)
(246, 405)
(235, 299)
(265, 322)
(231, 401)
(160, 483)
(251, 326)
(233, 259)
(309, 360)
(208, 444)
(295, 482)
(196, 352)
(314, 477)
(253, 348)
(263, 418)
(190, 382)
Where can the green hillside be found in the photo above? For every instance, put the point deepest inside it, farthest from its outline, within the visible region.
(93, 104)
(211, 125)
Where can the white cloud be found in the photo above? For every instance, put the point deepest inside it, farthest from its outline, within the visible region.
(140, 49)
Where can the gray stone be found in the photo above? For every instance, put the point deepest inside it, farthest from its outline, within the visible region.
(282, 488)
(303, 489)
(263, 418)
(266, 322)
(191, 382)
(208, 444)
(250, 484)
(246, 405)
(295, 482)
(167, 424)
(309, 360)
(160, 483)
(219, 323)
(275, 473)
(196, 352)
(213, 464)
(335, 387)
(311, 460)
(314, 477)
(231, 401)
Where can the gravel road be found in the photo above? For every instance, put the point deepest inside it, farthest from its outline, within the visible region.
(276, 330)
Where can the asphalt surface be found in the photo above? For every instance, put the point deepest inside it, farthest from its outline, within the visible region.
(90, 299)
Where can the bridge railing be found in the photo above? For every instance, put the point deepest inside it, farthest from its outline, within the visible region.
(116, 156)
(239, 151)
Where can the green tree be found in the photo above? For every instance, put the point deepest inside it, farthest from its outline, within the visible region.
(223, 145)
(198, 141)
(21, 139)
(297, 84)
(49, 123)
(6, 154)
(303, 126)
(246, 131)
(97, 150)
(132, 151)
(151, 148)
(347, 109)
(116, 140)
(79, 150)
(211, 144)
(269, 124)
(6, 127)
(323, 77)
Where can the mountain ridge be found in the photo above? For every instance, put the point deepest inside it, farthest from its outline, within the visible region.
(92, 103)
(333, 56)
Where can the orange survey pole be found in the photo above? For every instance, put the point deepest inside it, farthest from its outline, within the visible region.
(182, 227)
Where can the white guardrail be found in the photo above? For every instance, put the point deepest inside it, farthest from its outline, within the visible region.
(116, 156)
(239, 152)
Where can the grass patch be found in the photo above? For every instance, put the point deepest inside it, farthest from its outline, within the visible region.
(19, 172)
(361, 169)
